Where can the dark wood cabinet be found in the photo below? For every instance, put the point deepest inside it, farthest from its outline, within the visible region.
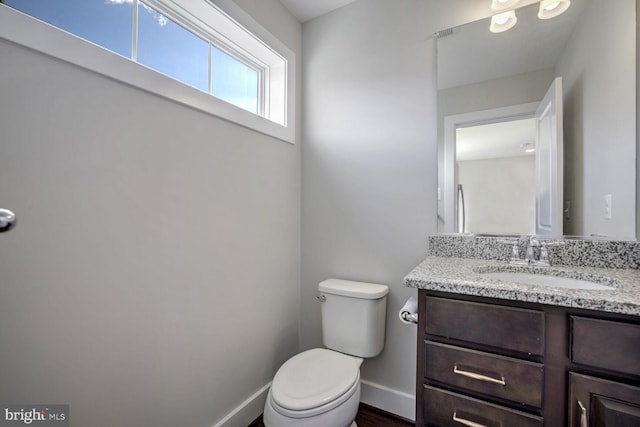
(603, 345)
(447, 408)
(594, 339)
(484, 373)
(508, 328)
(595, 402)
(490, 362)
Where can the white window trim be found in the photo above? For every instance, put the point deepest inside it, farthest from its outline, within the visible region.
(31, 33)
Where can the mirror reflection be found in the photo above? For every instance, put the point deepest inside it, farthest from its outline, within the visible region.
(495, 170)
(488, 83)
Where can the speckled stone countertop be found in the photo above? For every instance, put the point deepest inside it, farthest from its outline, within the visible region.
(463, 275)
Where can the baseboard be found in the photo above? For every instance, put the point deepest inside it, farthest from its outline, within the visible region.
(247, 412)
(389, 400)
(372, 394)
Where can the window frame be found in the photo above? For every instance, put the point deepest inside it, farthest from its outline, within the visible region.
(240, 36)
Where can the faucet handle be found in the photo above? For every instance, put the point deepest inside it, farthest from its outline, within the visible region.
(515, 248)
(515, 252)
(544, 254)
(545, 259)
(529, 255)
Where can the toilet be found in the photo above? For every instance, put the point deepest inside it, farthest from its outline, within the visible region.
(321, 387)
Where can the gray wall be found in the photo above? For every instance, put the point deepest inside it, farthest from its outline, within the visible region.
(144, 225)
(153, 242)
(600, 120)
(370, 157)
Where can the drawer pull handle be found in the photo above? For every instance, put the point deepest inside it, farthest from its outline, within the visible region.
(457, 419)
(583, 415)
(477, 376)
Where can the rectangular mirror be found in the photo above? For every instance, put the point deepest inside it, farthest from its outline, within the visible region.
(489, 88)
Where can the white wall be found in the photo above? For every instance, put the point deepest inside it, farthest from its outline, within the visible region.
(600, 120)
(153, 242)
(499, 194)
(369, 163)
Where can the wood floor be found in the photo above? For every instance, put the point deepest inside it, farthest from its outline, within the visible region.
(368, 416)
(371, 417)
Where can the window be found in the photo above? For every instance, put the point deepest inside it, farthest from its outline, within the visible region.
(234, 81)
(105, 23)
(171, 49)
(200, 46)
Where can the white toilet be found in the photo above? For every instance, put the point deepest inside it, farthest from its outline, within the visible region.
(321, 387)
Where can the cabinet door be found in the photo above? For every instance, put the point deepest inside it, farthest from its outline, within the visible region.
(594, 402)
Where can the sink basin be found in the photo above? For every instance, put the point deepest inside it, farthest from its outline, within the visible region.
(541, 279)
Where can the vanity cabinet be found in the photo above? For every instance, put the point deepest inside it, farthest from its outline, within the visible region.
(595, 402)
(604, 345)
(490, 362)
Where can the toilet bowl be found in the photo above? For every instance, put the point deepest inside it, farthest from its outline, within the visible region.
(316, 388)
(321, 387)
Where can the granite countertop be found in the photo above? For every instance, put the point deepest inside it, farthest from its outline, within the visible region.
(464, 276)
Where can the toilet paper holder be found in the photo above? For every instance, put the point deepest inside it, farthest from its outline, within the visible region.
(409, 312)
(409, 317)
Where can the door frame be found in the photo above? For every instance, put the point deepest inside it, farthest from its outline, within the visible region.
(550, 159)
(474, 118)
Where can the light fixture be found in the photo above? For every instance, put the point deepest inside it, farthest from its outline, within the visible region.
(500, 5)
(528, 147)
(503, 21)
(552, 8)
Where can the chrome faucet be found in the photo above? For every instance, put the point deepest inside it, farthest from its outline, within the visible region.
(536, 254)
(530, 254)
(533, 244)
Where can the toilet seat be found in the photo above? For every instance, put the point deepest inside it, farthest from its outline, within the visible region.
(313, 382)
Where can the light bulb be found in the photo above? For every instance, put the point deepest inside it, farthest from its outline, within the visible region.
(500, 5)
(552, 8)
(503, 21)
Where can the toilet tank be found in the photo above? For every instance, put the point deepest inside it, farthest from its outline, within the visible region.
(353, 316)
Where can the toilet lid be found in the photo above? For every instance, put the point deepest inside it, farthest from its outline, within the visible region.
(314, 378)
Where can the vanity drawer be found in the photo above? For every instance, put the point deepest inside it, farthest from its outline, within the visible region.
(593, 341)
(444, 408)
(511, 379)
(509, 328)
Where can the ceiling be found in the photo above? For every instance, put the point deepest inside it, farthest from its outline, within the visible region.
(496, 140)
(305, 10)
